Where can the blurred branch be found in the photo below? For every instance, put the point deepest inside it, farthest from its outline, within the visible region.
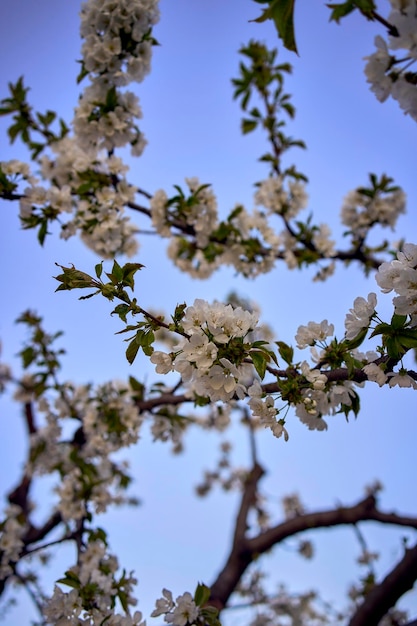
(385, 595)
(245, 550)
(240, 556)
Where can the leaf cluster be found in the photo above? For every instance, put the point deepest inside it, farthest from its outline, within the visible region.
(281, 12)
(39, 351)
(264, 78)
(25, 121)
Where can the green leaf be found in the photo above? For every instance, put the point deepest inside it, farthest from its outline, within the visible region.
(136, 386)
(14, 130)
(351, 344)
(147, 341)
(121, 310)
(83, 72)
(28, 356)
(282, 14)
(259, 362)
(71, 580)
(128, 272)
(210, 615)
(43, 231)
(341, 10)
(74, 279)
(111, 99)
(123, 597)
(285, 351)
(248, 126)
(398, 321)
(99, 269)
(132, 350)
(381, 329)
(202, 594)
(116, 275)
(366, 7)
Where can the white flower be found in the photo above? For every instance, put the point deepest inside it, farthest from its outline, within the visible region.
(400, 275)
(375, 69)
(272, 195)
(199, 350)
(158, 204)
(162, 361)
(308, 335)
(322, 242)
(185, 611)
(360, 316)
(375, 374)
(402, 379)
(163, 605)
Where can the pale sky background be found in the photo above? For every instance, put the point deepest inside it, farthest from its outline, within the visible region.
(192, 126)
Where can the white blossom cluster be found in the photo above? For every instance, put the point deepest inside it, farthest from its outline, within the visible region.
(11, 544)
(107, 421)
(99, 217)
(90, 602)
(5, 375)
(252, 245)
(252, 231)
(317, 403)
(273, 196)
(115, 38)
(17, 169)
(312, 333)
(283, 607)
(317, 400)
(101, 129)
(86, 178)
(116, 50)
(169, 429)
(201, 214)
(400, 275)
(70, 162)
(384, 71)
(206, 359)
(263, 408)
(360, 315)
(360, 212)
(182, 612)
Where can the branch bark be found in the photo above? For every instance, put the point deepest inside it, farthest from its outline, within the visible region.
(245, 550)
(385, 595)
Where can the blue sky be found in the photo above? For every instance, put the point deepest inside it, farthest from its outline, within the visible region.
(192, 126)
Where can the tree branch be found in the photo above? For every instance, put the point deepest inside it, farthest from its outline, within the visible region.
(385, 595)
(245, 549)
(240, 557)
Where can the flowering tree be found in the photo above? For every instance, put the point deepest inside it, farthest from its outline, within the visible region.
(216, 363)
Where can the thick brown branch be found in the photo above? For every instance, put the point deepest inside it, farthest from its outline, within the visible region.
(20, 494)
(365, 510)
(385, 595)
(164, 398)
(30, 418)
(239, 557)
(248, 500)
(244, 552)
(35, 534)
